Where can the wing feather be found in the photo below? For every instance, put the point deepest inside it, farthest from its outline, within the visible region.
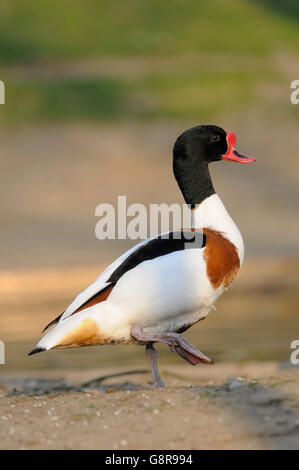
(146, 250)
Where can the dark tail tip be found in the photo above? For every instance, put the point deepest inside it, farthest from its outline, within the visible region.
(36, 350)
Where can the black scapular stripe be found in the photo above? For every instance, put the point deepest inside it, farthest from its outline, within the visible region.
(154, 248)
(53, 322)
(160, 246)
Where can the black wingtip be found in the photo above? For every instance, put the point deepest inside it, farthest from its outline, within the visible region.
(36, 350)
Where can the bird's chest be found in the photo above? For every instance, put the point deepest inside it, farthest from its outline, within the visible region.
(221, 259)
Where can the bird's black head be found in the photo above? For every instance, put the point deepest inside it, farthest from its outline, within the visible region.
(192, 153)
(202, 144)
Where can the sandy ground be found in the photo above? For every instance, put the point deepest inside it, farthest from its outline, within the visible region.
(229, 406)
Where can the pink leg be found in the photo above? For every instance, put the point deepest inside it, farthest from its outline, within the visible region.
(152, 355)
(176, 343)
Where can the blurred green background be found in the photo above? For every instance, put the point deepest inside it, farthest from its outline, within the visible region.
(96, 93)
(101, 59)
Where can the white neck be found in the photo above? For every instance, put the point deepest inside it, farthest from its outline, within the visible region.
(211, 213)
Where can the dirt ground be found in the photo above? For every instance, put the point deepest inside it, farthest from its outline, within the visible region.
(227, 406)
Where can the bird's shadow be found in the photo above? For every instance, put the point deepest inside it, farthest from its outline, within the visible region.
(45, 386)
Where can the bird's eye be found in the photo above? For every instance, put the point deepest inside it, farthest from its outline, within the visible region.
(215, 138)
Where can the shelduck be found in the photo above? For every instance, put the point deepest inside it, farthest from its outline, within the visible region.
(164, 285)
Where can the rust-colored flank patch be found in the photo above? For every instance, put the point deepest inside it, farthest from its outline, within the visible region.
(95, 299)
(221, 257)
(85, 334)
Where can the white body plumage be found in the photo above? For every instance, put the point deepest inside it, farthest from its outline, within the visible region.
(164, 294)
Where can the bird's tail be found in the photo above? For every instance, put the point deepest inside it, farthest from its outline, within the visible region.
(48, 341)
(77, 330)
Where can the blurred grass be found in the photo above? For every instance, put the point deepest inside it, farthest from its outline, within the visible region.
(65, 99)
(187, 94)
(56, 29)
(241, 36)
